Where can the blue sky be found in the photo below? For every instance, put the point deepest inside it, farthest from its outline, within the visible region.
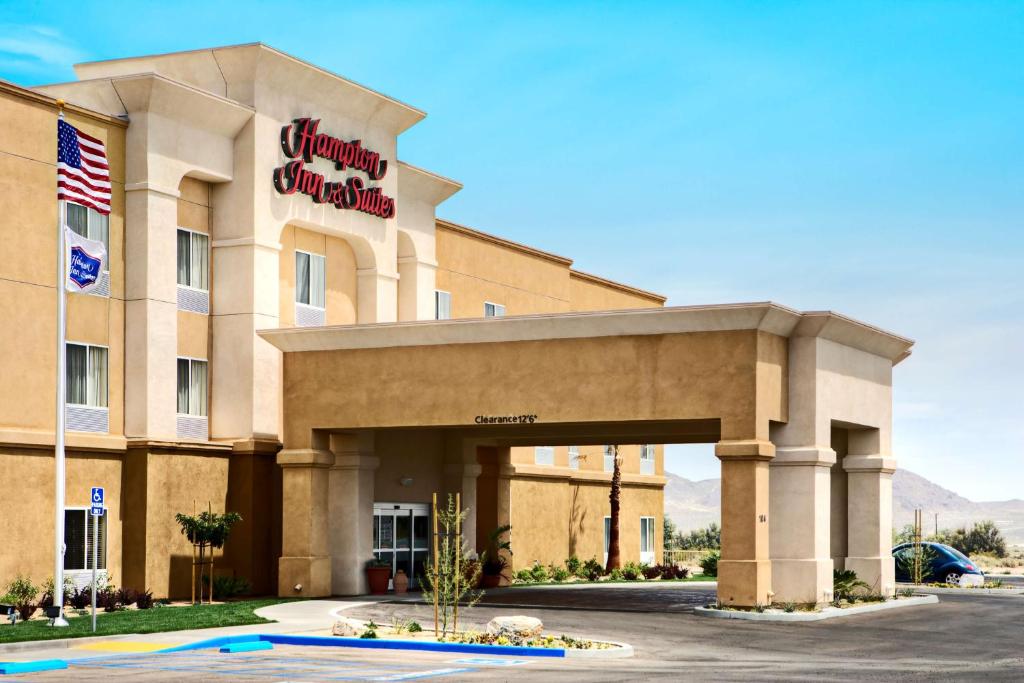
(861, 157)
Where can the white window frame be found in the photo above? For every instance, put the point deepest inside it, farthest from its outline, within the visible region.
(440, 294)
(191, 235)
(312, 255)
(544, 455)
(647, 538)
(498, 310)
(191, 360)
(607, 537)
(88, 366)
(647, 459)
(609, 459)
(104, 539)
(574, 457)
(92, 216)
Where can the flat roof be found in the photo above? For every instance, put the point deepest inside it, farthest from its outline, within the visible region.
(766, 316)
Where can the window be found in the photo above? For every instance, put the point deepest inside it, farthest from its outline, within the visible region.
(609, 458)
(574, 457)
(442, 305)
(647, 540)
(89, 223)
(92, 225)
(78, 533)
(544, 455)
(310, 283)
(493, 310)
(647, 459)
(86, 375)
(193, 260)
(607, 537)
(192, 387)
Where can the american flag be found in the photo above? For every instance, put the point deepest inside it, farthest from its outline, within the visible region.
(83, 176)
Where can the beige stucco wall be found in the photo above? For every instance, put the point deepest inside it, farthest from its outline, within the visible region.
(341, 295)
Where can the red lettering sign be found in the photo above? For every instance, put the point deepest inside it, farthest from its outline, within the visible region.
(301, 141)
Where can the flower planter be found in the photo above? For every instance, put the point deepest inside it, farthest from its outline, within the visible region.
(490, 580)
(401, 582)
(377, 579)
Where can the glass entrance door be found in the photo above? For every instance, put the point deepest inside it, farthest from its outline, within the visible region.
(401, 537)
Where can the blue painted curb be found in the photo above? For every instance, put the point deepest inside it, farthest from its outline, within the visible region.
(247, 647)
(370, 644)
(31, 667)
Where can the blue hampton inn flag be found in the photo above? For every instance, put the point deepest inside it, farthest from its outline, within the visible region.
(84, 261)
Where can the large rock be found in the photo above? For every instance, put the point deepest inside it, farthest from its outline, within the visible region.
(348, 627)
(525, 627)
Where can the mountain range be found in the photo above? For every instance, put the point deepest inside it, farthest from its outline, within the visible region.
(695, 504)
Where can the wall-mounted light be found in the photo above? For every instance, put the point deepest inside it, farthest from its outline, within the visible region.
(405, 481)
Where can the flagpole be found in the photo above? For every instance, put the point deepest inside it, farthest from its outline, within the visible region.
(58, 450)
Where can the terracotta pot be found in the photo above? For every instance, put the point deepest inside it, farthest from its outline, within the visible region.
(490, 580)
(377, 578)
(401, 581)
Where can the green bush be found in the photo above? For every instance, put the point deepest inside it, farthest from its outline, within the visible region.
(709, 563)
(592, 570)
(539, 572)
(616, 575)
(710, 537)
(559, 574)
(844, 583)
(22, 594)
(225, 587)
(414, 627)
(573, 565)
(983, 537)
(633, 571)
(524, 576)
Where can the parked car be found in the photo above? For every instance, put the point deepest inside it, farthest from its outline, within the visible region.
(948, 565)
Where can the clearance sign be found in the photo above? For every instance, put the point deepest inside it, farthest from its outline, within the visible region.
(301, 141)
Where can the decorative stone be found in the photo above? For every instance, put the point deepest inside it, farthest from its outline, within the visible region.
(348, 628)
(522, 626)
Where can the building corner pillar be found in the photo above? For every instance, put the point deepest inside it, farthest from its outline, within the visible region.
(745, 570)
(869, 520)
(800, 512)
(350, 508)
(304, 568)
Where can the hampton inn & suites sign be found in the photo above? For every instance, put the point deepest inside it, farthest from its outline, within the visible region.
(301, 140)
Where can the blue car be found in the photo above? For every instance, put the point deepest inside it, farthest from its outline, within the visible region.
(948, 565)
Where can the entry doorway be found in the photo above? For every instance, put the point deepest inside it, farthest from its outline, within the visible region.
(401, 536)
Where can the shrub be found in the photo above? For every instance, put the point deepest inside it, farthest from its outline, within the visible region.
(225, 587)
(22, 594)
(789, 607)
(671, 571)
(632, 571)
(81, 598)
(47, 599)
(983, 537)
(524, 576)
(370, 632)
(652, 572)
(616, 575)
(414, 627)
(592, 570)
(709, 537)
(709, 563)
(144, 599)
(539, 572)
(559, 574)
(844, 583)
(574, 566)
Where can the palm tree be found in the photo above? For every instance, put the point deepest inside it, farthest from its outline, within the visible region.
(614, 498)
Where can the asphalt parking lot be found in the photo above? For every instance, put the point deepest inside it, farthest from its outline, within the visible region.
(963, 635)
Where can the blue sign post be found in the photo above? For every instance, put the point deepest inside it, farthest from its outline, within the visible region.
(96, 510)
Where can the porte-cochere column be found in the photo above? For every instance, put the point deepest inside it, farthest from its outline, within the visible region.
(869, 510)
(745, 570)
(305, 565)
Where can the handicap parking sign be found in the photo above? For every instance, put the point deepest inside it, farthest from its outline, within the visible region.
(96, 497)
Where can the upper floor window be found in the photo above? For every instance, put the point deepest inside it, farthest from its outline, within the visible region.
(89, 223)
(544, 455)
(86, 375)
(492, 310)
(442, 305)
(192, 388)
(647, 459)
(193, 260)
(310, 279)
(609, 458)
(574, 457)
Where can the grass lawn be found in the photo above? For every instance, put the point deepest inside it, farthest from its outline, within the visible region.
(153, 620)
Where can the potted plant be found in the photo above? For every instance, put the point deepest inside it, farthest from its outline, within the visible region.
(495, 557)
(378, 572)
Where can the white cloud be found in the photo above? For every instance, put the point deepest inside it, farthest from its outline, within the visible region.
(38, 47)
